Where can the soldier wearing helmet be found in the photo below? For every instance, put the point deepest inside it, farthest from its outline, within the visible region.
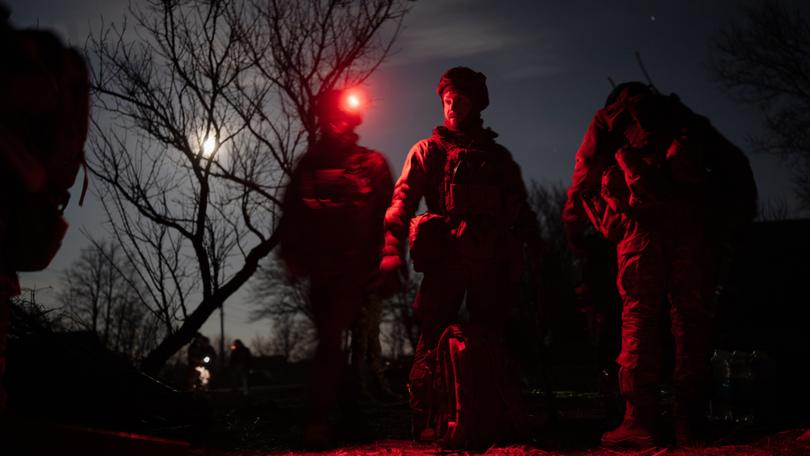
(469, 242)
(665, 186)
(331, 234)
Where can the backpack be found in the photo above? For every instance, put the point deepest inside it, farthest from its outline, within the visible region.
(645, 125)
(730, 188)
(671, 152)
(428, 239)
(474, 401)
(44, 117)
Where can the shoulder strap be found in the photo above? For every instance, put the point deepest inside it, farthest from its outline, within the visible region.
(438, 162)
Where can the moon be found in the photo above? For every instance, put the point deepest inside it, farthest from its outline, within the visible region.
(209, 146)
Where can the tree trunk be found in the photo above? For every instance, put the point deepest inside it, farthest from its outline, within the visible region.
(174, 342)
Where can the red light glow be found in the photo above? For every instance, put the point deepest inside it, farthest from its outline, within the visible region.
(352, 102)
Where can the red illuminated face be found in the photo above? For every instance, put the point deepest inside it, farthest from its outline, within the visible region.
(457, 108)
(341, 125)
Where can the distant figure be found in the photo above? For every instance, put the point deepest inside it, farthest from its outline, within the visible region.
(201, 362)
(469, 243)
(44, 99)
(660, 182)
(240, 364)
(331, 233)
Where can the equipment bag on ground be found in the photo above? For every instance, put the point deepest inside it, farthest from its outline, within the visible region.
(476, 398)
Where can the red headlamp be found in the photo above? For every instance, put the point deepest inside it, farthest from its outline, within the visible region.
(352, 102)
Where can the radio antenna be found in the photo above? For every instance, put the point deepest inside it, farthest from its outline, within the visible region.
(644, 71)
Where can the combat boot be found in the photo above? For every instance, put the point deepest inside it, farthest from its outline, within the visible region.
(636, 430)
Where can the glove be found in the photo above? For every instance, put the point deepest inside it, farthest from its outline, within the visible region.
(389, 276)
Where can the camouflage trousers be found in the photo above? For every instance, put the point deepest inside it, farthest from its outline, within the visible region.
(663, 261)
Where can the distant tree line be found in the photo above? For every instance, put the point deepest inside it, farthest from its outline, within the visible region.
(764, 60)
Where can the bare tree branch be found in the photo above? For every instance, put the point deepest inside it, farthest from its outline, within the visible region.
(194, 219)
(765, 62)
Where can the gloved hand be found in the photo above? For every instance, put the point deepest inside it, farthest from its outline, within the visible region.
(575, 237)
(389, 276)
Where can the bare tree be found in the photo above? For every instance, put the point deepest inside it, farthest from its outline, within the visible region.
(201, 110)
(400, 329)
(285, 303)
(547, 201)
(289, 337)
(276, 294)
(765, 61)
(558, 271)
(293, 337)
(101, 294)
(774, 211)
(261, 345)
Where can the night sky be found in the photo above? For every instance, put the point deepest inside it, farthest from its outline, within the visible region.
(547, 65)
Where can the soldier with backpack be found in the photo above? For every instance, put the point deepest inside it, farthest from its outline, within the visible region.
(331, 233)
(660, 182)
(469, 245)
(44, 113)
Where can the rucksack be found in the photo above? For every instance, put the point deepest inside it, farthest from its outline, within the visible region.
(428, 238)
(44, 116)
(672, 152)
(644, 125)
(731, 190)
(475, 400)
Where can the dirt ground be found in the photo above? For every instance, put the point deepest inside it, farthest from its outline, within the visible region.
(268, 422)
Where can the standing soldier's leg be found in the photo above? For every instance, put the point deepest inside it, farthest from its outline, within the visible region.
(490, 298)
(335, 304)
(367, 351)
(373, 346)
(360, 347)
(690, 286)
(642, 288)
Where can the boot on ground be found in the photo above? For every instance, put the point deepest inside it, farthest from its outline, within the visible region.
(635, 431)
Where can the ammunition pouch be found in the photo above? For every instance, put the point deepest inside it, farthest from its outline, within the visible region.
(429, 235)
